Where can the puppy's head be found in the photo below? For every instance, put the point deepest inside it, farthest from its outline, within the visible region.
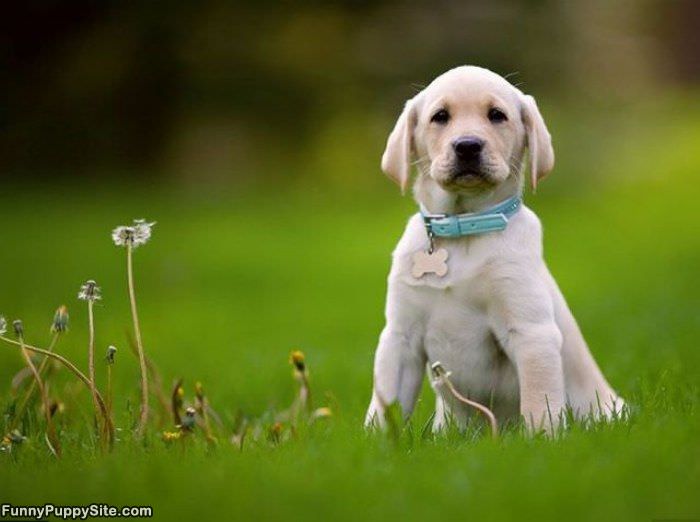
(467, 131)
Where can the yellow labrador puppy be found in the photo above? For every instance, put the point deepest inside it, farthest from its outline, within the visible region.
(468, 286)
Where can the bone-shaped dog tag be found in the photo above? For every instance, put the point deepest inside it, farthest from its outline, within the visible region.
(429, 263)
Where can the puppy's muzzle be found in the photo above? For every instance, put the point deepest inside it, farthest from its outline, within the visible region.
(467, 150)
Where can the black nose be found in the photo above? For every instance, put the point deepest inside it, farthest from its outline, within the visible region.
(468, 148)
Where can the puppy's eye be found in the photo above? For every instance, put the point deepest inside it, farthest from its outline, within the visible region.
(497, 115)
(441, 116)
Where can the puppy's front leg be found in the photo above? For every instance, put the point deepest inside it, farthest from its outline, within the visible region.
(398, 374)
(535, 349)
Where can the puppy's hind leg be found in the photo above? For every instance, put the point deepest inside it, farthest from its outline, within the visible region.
(398, 375)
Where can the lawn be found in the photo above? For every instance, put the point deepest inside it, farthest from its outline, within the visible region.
(233, 281)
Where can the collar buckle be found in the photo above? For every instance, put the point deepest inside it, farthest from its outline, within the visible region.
(456, 225)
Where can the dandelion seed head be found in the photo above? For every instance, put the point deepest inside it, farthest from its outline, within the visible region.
(90, 291)
(188, 422)
(18, 327)
(439, 371)
(142, 231)
(135, 235)
(111, 352)
(122, 235)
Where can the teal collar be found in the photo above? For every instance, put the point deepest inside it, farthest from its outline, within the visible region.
(456, 225)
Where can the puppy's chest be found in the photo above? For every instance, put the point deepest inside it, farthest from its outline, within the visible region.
(452, 317)
(465, 278)
(445, 310)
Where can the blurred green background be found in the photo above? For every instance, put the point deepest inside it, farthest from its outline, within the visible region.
(226, 93)
(252, 131)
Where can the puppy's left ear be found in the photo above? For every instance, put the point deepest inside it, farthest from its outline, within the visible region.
(539, 141)
(396, 160)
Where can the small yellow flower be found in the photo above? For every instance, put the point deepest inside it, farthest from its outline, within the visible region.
(296, 358)
(321, 413)
(169, 436)
(275, 432)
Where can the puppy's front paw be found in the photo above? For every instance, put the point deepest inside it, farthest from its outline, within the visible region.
(374, 417)
(613, 409)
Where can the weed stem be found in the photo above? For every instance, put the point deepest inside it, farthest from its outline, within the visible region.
(54, 443)
(442, 377)
(32, 386)
(91, 354)
(109, 427)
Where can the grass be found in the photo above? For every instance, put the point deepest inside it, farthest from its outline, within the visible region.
(231, 283)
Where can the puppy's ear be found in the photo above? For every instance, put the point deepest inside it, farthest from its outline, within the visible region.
(396, 160)
(539, 142)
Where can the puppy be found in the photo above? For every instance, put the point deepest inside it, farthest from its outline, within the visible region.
(468, 286)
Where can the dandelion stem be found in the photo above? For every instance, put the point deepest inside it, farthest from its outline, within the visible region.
(109, 389)
(156, 381)
(443, 378)
(305, 392)
(109, 427)
(91, 353)
(143, 419)
(32, 386)
(50, 348)
(296, 358)
(91, 362)
(201, 407)
(50, 429)
(176, 402)
(483, 409)
(111, 352)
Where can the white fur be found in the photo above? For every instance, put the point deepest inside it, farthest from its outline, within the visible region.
(497, 320)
